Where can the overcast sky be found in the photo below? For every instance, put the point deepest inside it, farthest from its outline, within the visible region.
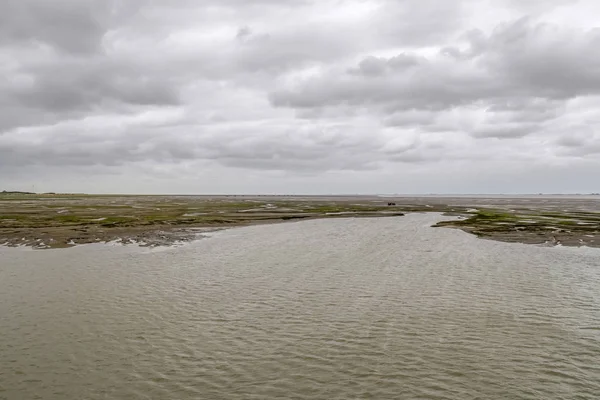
(300, 96)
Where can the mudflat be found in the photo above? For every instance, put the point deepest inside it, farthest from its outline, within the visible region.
(62, 220)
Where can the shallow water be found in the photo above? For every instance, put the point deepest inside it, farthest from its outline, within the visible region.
(384, 308)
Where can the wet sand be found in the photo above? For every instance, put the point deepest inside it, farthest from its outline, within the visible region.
(55, 220)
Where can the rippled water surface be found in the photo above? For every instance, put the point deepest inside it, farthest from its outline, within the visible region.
(339, 309)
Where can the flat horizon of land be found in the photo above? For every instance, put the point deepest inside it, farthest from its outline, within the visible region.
(55, 220)
(300, 195)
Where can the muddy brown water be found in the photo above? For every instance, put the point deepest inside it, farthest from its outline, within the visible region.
(385, 308)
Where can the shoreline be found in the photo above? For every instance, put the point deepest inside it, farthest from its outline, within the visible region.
(145, 236)
(62, 221)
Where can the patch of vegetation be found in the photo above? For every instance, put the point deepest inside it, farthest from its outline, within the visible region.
(116, 221)
(83, 216)
(12, 192)
(13, 217)
(69, 219)
(525, 223)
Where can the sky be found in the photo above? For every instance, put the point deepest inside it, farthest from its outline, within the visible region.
(300, 96)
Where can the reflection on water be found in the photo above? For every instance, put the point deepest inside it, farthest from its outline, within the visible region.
(336, 309)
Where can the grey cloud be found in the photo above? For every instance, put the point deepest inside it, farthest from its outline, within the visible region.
(573, 140)
(539, 6)
(411, 118)
(570, 141)
(73, 84)
(419, 23)
(522, 69)
(287, 49)
(307, 149)
(579, 140)
(268, 148)
(590, 150)
(103, 75)
(379, 66)
(243, 32)
(526, 110)
(546, 61)
(299, 86)
(429, 87)
(255, 3)
(62, 87)
(68, 147)
(73, 26)
(505, 131)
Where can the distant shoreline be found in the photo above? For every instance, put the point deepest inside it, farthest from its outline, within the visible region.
(409, 195)
(59, 220)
